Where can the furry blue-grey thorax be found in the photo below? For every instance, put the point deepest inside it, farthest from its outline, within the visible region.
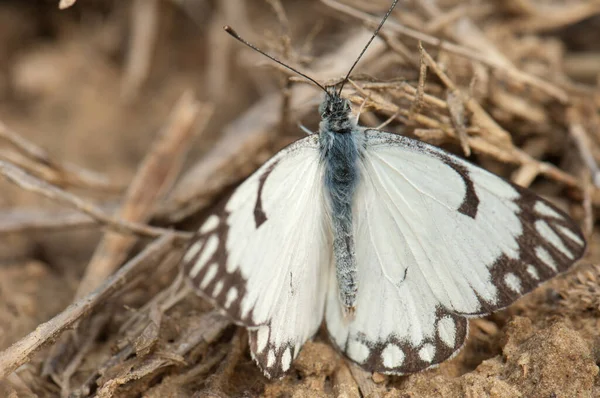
(340, 146)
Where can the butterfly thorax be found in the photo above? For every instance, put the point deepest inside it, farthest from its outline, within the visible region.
(340, 142)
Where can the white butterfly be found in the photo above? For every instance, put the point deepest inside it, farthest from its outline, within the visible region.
(394, 242)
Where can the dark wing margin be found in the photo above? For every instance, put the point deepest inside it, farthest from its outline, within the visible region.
(439, 255)
(261, 256)
(550, 244)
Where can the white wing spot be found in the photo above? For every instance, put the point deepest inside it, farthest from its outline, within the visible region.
(192, 251)
(571, 235)
(531, 270)
(262, 338)
(447, 331)
(545, 210)
(210, 224)
(232, 294)
(218, 288)
(286, 360)
(209, 249)
(427, 352)
(210, 275)
(547, 233)
(271, 358)
(546, 258)
(358, 351)
(392, 356)
(512, 282)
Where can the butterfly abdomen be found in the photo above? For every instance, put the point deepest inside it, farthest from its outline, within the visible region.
(340, 154)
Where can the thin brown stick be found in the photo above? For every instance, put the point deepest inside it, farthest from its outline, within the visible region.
(84, 347)
(509, 70)
(551, 17)
(219, 380)
(400, 49)
(584, 146)
(344, 384)
(144, 31)
(479, 116)
(153, 179)
(60, 173)
(20, 220)
(388, 121)
(194, 375)
(457, 114)
(32, 184)
(204, 329)
(364, 380)
(443, 20)
(22, 351)
(418, 102)
(63, 4)
(525, 174)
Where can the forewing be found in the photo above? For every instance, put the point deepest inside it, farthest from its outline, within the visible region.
(438, 240)
(264, 258)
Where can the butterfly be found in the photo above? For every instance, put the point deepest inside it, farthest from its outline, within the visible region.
(395, 243)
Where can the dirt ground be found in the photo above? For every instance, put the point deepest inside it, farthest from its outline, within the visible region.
(121, 115)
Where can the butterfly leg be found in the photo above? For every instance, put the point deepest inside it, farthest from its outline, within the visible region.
(305, 129)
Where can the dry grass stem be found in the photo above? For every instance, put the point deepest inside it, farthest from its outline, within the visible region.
(457, 113)
(154, 178)
(344, 384)
(546, 17)
(479, 116)
(21, 352)
(63, 4)
(39, 162)
(584, 145)
(34, 219)
(144, 31)
(364, 380)
(510, 72)
(203, 330)
(32, 184)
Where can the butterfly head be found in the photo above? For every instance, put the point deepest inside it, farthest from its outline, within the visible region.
(335, 112)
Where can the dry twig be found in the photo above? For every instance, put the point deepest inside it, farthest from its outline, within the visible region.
(22, 351)
(32, 184)
(34, 219)
(509, 71)
(144, 31)
(584, 145)
(153, 179)
(204, 329)
(39, 162)
(63, 4)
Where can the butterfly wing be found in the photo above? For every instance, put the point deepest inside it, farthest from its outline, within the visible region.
(438, 240)
(264, 258)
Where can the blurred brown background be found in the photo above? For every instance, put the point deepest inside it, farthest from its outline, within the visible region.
(97, 84)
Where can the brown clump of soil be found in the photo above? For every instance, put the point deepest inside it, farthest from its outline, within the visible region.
(148, 112)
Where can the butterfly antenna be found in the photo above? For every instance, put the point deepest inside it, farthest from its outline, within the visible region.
(233, 33)
(387, 14)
